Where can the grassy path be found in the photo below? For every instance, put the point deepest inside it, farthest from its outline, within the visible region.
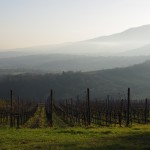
(58, 123)
(38, 120)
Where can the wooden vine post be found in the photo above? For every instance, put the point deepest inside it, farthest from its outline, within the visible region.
(145, 113)
(11, 109)
(128, 109)
(88, 108)
(51, 108)
(18, 115)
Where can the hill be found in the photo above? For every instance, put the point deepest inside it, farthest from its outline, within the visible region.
(103, 46)
(144, 50)
(136, 34)
(56, 63)
(113, 82)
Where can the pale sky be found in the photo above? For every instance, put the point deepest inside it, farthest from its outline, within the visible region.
(25, 23)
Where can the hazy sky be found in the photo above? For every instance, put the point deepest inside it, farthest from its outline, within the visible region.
(25, 23)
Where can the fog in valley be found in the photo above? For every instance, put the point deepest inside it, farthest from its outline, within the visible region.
(67, 54)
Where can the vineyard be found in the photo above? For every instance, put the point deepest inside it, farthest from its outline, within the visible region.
(74, 118)
(80, 112)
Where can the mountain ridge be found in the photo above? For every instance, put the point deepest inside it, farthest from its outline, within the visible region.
(70, 84)
(130, 31)
(131, 38)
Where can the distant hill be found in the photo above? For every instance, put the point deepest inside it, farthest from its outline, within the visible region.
(103, 46)
(113, 82)
(9, 54)
(56, 63)
(145, 50)
(137, 34)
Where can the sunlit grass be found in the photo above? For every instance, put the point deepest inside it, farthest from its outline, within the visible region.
(62, 137)
(136, 137)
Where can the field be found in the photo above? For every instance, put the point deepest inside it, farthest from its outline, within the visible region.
(106, 125)
(106, 138)
(36, 134)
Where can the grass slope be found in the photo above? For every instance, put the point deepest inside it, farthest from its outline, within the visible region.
(63, 137)
(136, 137)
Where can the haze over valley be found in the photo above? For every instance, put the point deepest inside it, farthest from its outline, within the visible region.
(99, 51)
(118, 50)
(70, 68)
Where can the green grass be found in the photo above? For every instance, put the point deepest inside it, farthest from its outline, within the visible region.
(39, 119)
(58, 123)
(63, 137)
(106, 138)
